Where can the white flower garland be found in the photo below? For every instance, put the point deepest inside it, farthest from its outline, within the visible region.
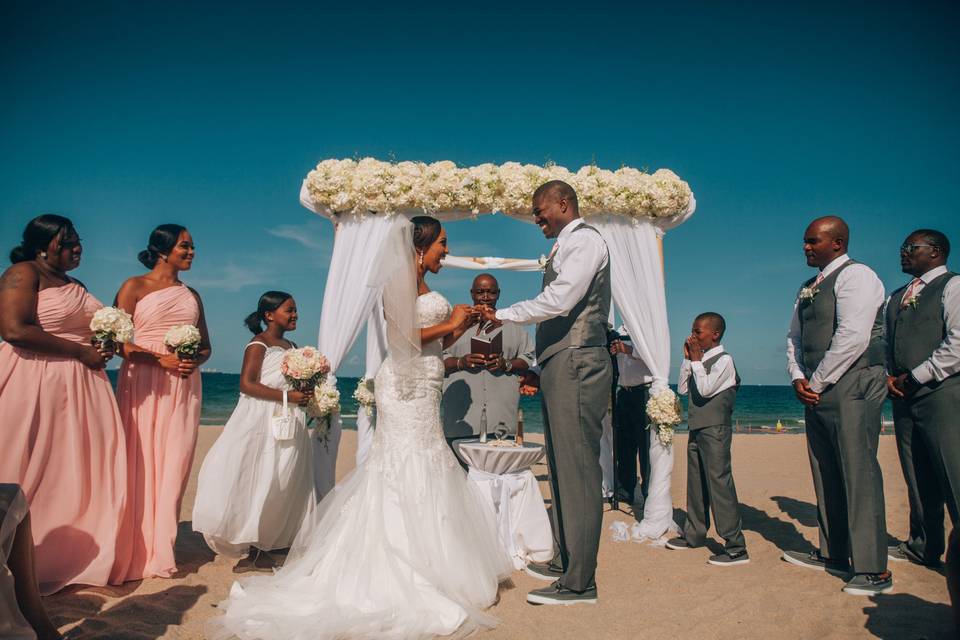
(368, 186)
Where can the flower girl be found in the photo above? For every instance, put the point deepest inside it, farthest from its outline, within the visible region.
(256, 483)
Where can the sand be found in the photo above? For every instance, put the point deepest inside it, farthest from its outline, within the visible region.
(645, 591)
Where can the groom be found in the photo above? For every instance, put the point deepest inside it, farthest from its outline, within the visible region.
(571, 346)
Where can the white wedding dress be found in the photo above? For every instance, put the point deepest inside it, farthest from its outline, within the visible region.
(403, 547)
(254, 490)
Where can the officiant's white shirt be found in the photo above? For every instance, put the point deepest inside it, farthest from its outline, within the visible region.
(577, 257)
(722, 376)
(859, 295)
(945, 360)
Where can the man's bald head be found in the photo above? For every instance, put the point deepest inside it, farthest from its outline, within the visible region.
(485, 280)
(825, 239)
(556, 190)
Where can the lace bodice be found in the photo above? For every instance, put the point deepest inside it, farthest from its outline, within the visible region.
(408, 400)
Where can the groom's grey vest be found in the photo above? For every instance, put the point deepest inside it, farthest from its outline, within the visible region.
(818, 323)
(718, 408)
(915, 332)
(586, 324)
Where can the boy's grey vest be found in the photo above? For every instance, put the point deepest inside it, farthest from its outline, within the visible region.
(818, 322)
(915, 332)
(715, 410)
(586, 324)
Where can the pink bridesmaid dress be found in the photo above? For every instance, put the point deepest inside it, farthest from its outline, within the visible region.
(161, 413)
(62, 441)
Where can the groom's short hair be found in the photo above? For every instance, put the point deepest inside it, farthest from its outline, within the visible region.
(559, 190)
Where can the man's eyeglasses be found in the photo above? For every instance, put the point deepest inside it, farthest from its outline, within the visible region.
(910, 248)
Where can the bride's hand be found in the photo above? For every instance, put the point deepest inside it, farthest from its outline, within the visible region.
(462, 317)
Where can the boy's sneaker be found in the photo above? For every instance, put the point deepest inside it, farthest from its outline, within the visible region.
(730, 559)
(869, 584)
(813, 560)
(543, 571)
(679, 544)
(555, 594)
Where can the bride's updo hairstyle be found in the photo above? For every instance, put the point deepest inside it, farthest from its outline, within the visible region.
(37, 236)
(162, 241)
(270, 301)
(426, 230)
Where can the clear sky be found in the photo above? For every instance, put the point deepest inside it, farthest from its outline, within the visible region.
(127, 115)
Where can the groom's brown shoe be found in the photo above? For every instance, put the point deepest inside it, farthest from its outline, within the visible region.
(555, 594)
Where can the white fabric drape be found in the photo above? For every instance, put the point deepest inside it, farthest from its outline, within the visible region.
(347, 304)
(376, 354)
(638, 292)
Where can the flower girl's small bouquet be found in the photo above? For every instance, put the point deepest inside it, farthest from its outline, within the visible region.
(364, 395)
(184, 340)
(304, 368)
(663, 409)
(111, 325)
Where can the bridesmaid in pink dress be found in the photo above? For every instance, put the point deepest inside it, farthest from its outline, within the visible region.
(62, 438)
(159, 397)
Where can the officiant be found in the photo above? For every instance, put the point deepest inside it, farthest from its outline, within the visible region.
(482, 386)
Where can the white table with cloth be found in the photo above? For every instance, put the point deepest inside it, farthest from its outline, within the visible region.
(502, 473)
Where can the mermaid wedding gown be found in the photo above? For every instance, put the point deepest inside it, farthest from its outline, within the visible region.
(403, 547)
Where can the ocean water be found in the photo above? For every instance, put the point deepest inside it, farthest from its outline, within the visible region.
(758, 408)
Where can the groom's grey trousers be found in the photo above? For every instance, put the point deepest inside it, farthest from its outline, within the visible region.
(576, 387)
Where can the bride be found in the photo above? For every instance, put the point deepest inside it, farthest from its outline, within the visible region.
(403, 547)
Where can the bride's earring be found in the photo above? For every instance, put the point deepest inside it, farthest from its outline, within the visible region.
(43, 254)
(420, 254)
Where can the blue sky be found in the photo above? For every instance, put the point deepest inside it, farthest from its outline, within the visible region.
(126, 115)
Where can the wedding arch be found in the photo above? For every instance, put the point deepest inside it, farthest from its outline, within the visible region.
(366, 198)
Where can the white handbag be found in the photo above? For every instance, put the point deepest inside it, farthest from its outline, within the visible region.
(284, 426)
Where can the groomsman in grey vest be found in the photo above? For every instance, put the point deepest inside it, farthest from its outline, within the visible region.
(576, 373)
(923, 365)
(709, 375)
(835, 355)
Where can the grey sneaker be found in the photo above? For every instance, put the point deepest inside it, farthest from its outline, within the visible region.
(813, 560)
(680, 543)
(903, 553)
(869, 584)
(555, 594)
(543, 571)
(729, 559)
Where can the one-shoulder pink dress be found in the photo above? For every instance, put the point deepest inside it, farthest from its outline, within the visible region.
(161, 413)
(62, 440)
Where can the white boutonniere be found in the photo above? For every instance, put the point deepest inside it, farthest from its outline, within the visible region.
(808, 293)
(542, 262)
(912, 302)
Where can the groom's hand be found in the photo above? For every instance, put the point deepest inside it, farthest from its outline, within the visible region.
(529, 384)
(488, 315)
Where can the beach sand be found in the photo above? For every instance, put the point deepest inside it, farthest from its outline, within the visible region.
(645, 591)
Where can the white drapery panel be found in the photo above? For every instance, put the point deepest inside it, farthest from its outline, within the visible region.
(638, 293)
(376, 354)
(347, 305)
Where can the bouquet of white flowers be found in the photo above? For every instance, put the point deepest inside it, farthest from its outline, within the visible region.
(324, 403)
(184, 340)
(364, 395)
(110, 324)
(304, 368)
(663, 409)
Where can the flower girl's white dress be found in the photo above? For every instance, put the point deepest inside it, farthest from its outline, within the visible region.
(254, 490)
(403, 548)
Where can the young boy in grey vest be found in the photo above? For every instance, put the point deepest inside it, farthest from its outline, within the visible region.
(709, 375)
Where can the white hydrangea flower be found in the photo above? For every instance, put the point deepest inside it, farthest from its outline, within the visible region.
(184, 339)
(110, 324)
